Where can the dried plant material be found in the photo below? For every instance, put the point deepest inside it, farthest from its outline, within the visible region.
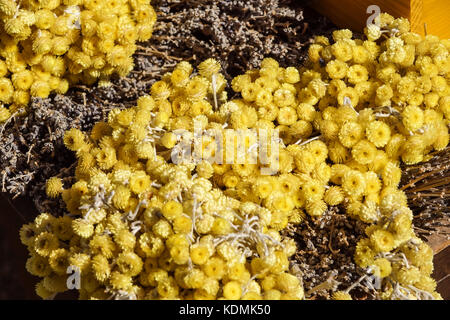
(427, 186)
(325, 249)
(238, 33)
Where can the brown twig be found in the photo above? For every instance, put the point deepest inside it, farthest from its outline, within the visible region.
(412, 182)
(331, 238)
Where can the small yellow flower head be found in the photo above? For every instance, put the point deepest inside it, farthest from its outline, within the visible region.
(384, 267)
(55, 283)
(45, 243)
(5, 114)
(27, 233)
(245, 118)
(59, 261)
(82, 228)
(215, 268)
(42, 292)
(369, 211)
(336, 69)
(364, 255)
(373, 32)
(182, 224)
(306, 112)
(291, 75)
(348, 95)
(54, 187)
(125, 240)
(6, 90)
(44, 222)
(208, 68)
(283, 98)
(74, 139)
(136, 132)
(412, 118)
(334, 196)
(139, 182)
(151, 245)
(8, 7)
(120, 281)
(373, 184)
(221, 226)
(426, 283)
(392, 199)
(353, 183)
(313, 190)
(342, 34)
(318, 149)
(100, 268)
(316, 208)
(129, 263)
(314, 51)
(337, 152)
(345, 113)
(364, 152)
(382, 240)
(357, 73)
(394, 147)
(196, 89)
(342, 50)
(341, 295)
(350, 133)
(80, 260)
(287, 282)
(240, 82)
(22, 80)
(391, 175)
(38, 266)
(21, 98)
(199, 254)
(40, 89)
(121, 197)
(287, 116)
(407, 276)
(337, 173)
(102, 244)
(232, 290)
(162, 229)
(384, 93)
(378, 133)
(169, 140)
(401, 226)
(172, 210)
(179, 255)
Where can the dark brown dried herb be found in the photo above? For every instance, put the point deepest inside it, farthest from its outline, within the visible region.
(325, 250)
(427, 186)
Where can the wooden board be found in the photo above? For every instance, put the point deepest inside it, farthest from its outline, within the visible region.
(441, 272)
(352, 13)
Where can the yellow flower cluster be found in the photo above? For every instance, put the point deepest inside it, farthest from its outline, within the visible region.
(227, 141)
(359, 117)
(173, 201)
(47, 45)
(401, 262)
(143, 228)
